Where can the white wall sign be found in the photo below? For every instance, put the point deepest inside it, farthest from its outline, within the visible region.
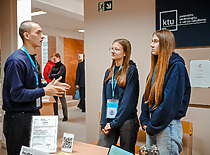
(200, 73)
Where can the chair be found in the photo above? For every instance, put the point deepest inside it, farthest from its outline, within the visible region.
(188, 129)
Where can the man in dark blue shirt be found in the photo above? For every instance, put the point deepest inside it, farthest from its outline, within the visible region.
(22, 89)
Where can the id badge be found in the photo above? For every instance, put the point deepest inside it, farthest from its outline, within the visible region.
(38, 102)
(112, 107)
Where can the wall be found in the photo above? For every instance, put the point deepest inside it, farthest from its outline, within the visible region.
(72, 47)
(51, 46)
(199, 111)
(8, 18)
(199, 95)
(134, 20)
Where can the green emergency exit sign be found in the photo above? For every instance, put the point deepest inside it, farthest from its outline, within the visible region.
(105, 6)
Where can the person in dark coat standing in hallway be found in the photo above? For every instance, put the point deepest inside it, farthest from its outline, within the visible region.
(59, 70)
(80, 83)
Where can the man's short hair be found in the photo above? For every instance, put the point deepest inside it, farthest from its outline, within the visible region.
(57, 55)
(25, 26)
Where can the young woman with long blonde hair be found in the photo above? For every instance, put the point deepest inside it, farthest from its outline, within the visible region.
(120, 98)
(166, 97)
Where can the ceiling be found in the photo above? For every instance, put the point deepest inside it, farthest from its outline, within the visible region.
(63, 18)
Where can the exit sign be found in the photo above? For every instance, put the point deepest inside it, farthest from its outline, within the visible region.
(105, 6)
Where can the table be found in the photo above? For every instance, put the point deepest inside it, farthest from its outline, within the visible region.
(80, 148)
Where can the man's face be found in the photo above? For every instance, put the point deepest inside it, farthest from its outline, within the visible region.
(35, 36)
(56, 59)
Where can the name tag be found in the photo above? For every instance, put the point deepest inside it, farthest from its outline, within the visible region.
(38, 102)
(112, 107)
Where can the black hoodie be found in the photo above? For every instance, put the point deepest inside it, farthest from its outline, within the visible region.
(127, 96)
(176, 96)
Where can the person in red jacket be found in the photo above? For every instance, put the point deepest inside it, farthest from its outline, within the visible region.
(47, 69)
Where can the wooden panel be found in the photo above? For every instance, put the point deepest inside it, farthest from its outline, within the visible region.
(51, 46)
(72, 47)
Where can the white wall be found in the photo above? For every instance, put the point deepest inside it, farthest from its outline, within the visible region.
(134, 20)
(201, 136)
(60, 47)
(23, 13)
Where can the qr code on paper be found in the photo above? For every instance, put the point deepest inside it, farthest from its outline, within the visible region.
(67, 142)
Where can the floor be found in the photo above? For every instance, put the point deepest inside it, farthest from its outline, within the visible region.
(75, 124)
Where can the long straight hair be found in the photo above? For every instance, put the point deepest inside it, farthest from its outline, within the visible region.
(154, 92)
(122, 73)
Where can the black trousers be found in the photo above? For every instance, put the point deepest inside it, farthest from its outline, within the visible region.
(63, 103)
(17, 130)
(82, 98)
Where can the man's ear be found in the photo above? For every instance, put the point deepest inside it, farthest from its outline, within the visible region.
(26, 35)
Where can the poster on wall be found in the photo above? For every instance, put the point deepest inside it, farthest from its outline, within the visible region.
(188, 20)
(200, 73)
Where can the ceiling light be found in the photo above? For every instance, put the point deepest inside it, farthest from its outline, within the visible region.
(38, 13)
(81, 31)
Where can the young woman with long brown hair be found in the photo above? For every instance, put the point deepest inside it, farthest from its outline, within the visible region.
(120, 98)
(166, 97)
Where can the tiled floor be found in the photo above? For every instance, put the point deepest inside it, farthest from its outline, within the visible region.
(75, 125)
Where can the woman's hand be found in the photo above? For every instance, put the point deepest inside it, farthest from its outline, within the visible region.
(144, 127)
(106, 129)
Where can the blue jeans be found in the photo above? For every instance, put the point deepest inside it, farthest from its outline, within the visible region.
(127, 133)
(169, 141)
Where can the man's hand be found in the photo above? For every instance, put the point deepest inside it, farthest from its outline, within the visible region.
(52, 90)
(60, 84)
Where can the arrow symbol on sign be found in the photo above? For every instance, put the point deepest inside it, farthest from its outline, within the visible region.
(109, 5)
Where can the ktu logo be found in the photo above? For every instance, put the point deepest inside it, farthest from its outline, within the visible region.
(168, 20)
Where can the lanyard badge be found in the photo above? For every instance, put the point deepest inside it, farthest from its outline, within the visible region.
(33, 64)
(38, 100)
(112, 104)
(112, 107)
